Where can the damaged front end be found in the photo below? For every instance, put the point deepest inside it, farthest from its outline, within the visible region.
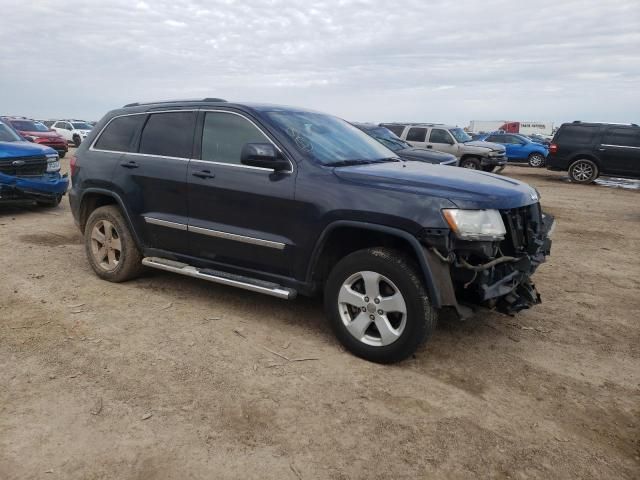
(32, 178)
(494, 273)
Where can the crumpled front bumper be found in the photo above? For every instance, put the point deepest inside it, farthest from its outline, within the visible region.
(43, 187)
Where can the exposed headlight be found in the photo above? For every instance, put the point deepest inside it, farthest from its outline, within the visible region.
(53, 163)
(484, 225)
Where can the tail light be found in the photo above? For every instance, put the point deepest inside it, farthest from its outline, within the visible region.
(553, 148)
(72, 164)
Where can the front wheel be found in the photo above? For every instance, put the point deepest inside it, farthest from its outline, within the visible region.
(77, 141)
(583, 171)
(536, 160)
(378, 306)
(488, 168)
(471, 163)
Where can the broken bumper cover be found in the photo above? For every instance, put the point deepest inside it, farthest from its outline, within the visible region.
(43, 187)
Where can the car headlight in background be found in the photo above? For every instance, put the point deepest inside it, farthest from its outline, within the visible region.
(483, 225)
(53, 163)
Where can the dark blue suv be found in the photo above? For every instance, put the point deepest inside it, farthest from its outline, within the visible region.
(286, 201)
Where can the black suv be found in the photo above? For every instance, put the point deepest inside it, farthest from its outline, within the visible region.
(285, 201)
(587, 150)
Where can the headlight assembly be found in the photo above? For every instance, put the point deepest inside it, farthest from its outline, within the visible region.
(478, 225)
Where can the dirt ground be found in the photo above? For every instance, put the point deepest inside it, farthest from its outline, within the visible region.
(171, 377)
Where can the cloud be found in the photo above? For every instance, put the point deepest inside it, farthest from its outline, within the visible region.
(363, 60)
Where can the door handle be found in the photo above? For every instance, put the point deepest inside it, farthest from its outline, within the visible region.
(204, 174)
(130, 164)
(429, 146)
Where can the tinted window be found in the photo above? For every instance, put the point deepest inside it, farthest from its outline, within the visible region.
(168, 134)
(576, 134)
(440, 136)
(628, 137)
(119, 133)
(225, 134)
(397, 129)
(495, 138)
(417, 134)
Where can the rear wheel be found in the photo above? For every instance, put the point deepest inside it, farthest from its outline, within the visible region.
(76, 140)
(377, 305)
(110, 248)
(536, 160)
(471, 163)
(583, 171)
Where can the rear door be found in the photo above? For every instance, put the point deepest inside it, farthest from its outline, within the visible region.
(441, 140)
(620, 150)
(417, 136)
(152, 179)
(239, 216)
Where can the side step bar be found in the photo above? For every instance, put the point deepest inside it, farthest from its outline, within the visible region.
(224, 278)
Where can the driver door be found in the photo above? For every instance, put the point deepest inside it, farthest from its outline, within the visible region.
(442, 141)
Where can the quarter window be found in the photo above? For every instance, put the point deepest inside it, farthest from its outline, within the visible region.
(440, 136)
(168, 134)
(225, 134)
(624, 137)
(417, 134)
(118, 135)
(396, 129)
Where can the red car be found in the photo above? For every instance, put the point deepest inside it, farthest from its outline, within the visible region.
(36, 132)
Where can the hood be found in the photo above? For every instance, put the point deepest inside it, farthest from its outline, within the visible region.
(483, 144)
(40, 134)
(23, 149)
(425, 155)
(466, 188)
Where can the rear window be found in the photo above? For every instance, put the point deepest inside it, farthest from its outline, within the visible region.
(623, 137)
(168, 134)
(417, 134)
(397, 129)
(119, 133)
(576, 134)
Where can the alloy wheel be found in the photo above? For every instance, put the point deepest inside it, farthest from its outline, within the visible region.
(582, 171)
(106, 246)
(372, 308)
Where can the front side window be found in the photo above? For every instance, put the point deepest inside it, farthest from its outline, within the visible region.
(118, 135)
(81, 126)
(168, 134)
(623, 137)
(417, 134)
(224, 135)
(440, 136)
(329, 140)
(495, 139)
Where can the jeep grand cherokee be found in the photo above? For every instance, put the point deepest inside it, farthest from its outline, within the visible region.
(285, 201)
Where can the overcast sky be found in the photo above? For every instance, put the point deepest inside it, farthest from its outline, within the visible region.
(416, 60)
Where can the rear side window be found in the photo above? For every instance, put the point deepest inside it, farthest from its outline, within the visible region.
(575, 134)
(397, 129)
(417, 134)
(495, 139)
(440, 136)
(168, 134)
(623, 137)
(119, 133)
(225, 134)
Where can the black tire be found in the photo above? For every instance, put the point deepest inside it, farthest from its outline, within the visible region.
(536, 160)
(61, 154)
(472, 163)
(129, 260)
(76, 140)
(50, 203)
(488, 168)
(420, 318)
(583, 171)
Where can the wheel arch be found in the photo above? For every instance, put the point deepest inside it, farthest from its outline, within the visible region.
(93, 198)
(325, 254)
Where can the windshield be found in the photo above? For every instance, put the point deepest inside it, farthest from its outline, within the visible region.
(81, 126)
(329, 140)
(460, 135)
(7, 134)
(388, 139)
(28, 126)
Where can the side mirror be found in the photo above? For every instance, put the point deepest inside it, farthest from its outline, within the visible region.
(263, 155)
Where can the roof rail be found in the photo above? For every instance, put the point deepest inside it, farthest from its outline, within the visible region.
(191, 100)
(608, 123)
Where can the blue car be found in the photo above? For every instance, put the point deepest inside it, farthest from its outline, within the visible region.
(29, 171)
(519, 148)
